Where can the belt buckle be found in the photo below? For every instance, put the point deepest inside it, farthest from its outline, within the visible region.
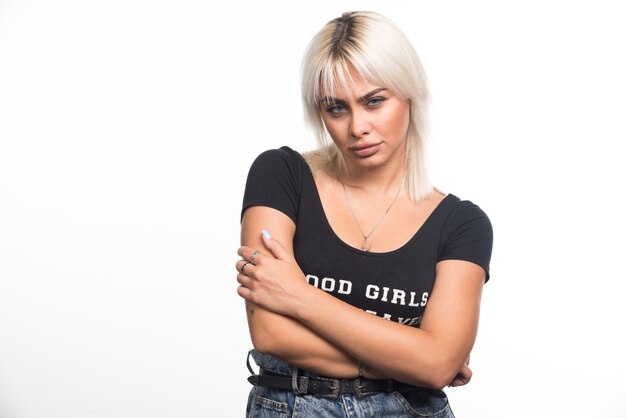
(335, 388)
(357, 388)
(300, 385)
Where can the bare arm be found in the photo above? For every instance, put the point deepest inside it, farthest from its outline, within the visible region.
(280, 335)
(430, 356)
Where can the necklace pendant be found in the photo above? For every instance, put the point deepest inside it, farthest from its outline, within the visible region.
(366, 245)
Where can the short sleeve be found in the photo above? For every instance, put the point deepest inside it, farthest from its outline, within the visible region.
(275, 180)
(468, 236)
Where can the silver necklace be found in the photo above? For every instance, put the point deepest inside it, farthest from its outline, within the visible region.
(366, 245)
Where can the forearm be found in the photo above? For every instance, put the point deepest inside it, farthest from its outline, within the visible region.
(296, 344)
(279, 335)
(383, 346)
(311, 329)
(404, 353)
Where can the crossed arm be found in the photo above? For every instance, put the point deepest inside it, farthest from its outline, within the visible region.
(299, 324)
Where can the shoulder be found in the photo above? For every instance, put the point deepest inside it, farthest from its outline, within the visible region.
(282, 164)
(281, 156)
(463, 211)
(275, 180)
(467, 233)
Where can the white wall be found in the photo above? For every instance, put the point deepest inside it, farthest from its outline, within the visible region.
(126, 131)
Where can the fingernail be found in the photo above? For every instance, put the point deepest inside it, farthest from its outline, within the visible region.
(266, 234)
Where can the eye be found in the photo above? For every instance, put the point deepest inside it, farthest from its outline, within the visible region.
(375, 101)
(335, 109)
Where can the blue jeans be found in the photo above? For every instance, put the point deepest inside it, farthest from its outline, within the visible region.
(275, 403)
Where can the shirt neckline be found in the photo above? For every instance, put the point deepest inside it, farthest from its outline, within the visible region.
(318, 201)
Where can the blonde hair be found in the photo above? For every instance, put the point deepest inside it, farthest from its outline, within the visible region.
(378, 51)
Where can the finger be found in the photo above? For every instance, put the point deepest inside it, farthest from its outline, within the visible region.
(251, 255)
(275, 246)
(244, 280)
(468, 375)
(243, 266)
(244, 292)
(244, 250)
(460, 381)
(462, 377)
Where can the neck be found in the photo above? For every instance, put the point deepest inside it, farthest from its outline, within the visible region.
(375, 181)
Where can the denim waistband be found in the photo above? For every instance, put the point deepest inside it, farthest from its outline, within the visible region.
(268, 362)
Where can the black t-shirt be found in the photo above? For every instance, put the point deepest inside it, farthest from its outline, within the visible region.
(395, 285)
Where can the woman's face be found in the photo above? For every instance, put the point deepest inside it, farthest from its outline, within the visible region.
(367, 122)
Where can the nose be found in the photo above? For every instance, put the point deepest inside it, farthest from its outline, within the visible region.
(359, 123)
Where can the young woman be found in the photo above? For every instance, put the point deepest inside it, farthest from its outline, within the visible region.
(362, 282)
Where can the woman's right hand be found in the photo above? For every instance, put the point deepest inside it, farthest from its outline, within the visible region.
(463, 376)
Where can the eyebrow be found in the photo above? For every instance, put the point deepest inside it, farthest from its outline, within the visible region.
(362, 99)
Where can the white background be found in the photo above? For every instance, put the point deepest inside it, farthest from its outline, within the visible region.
(126, 131)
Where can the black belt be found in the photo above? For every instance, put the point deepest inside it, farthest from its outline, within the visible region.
(323, 386)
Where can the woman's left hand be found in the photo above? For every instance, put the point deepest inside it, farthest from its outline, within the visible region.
(273, 281)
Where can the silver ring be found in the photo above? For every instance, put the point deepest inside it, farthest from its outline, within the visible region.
(243, 268)
(253, 256)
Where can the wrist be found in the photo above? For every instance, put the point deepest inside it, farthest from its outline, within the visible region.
(307, 297)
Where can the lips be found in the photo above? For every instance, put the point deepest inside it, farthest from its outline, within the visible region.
(365, 150)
